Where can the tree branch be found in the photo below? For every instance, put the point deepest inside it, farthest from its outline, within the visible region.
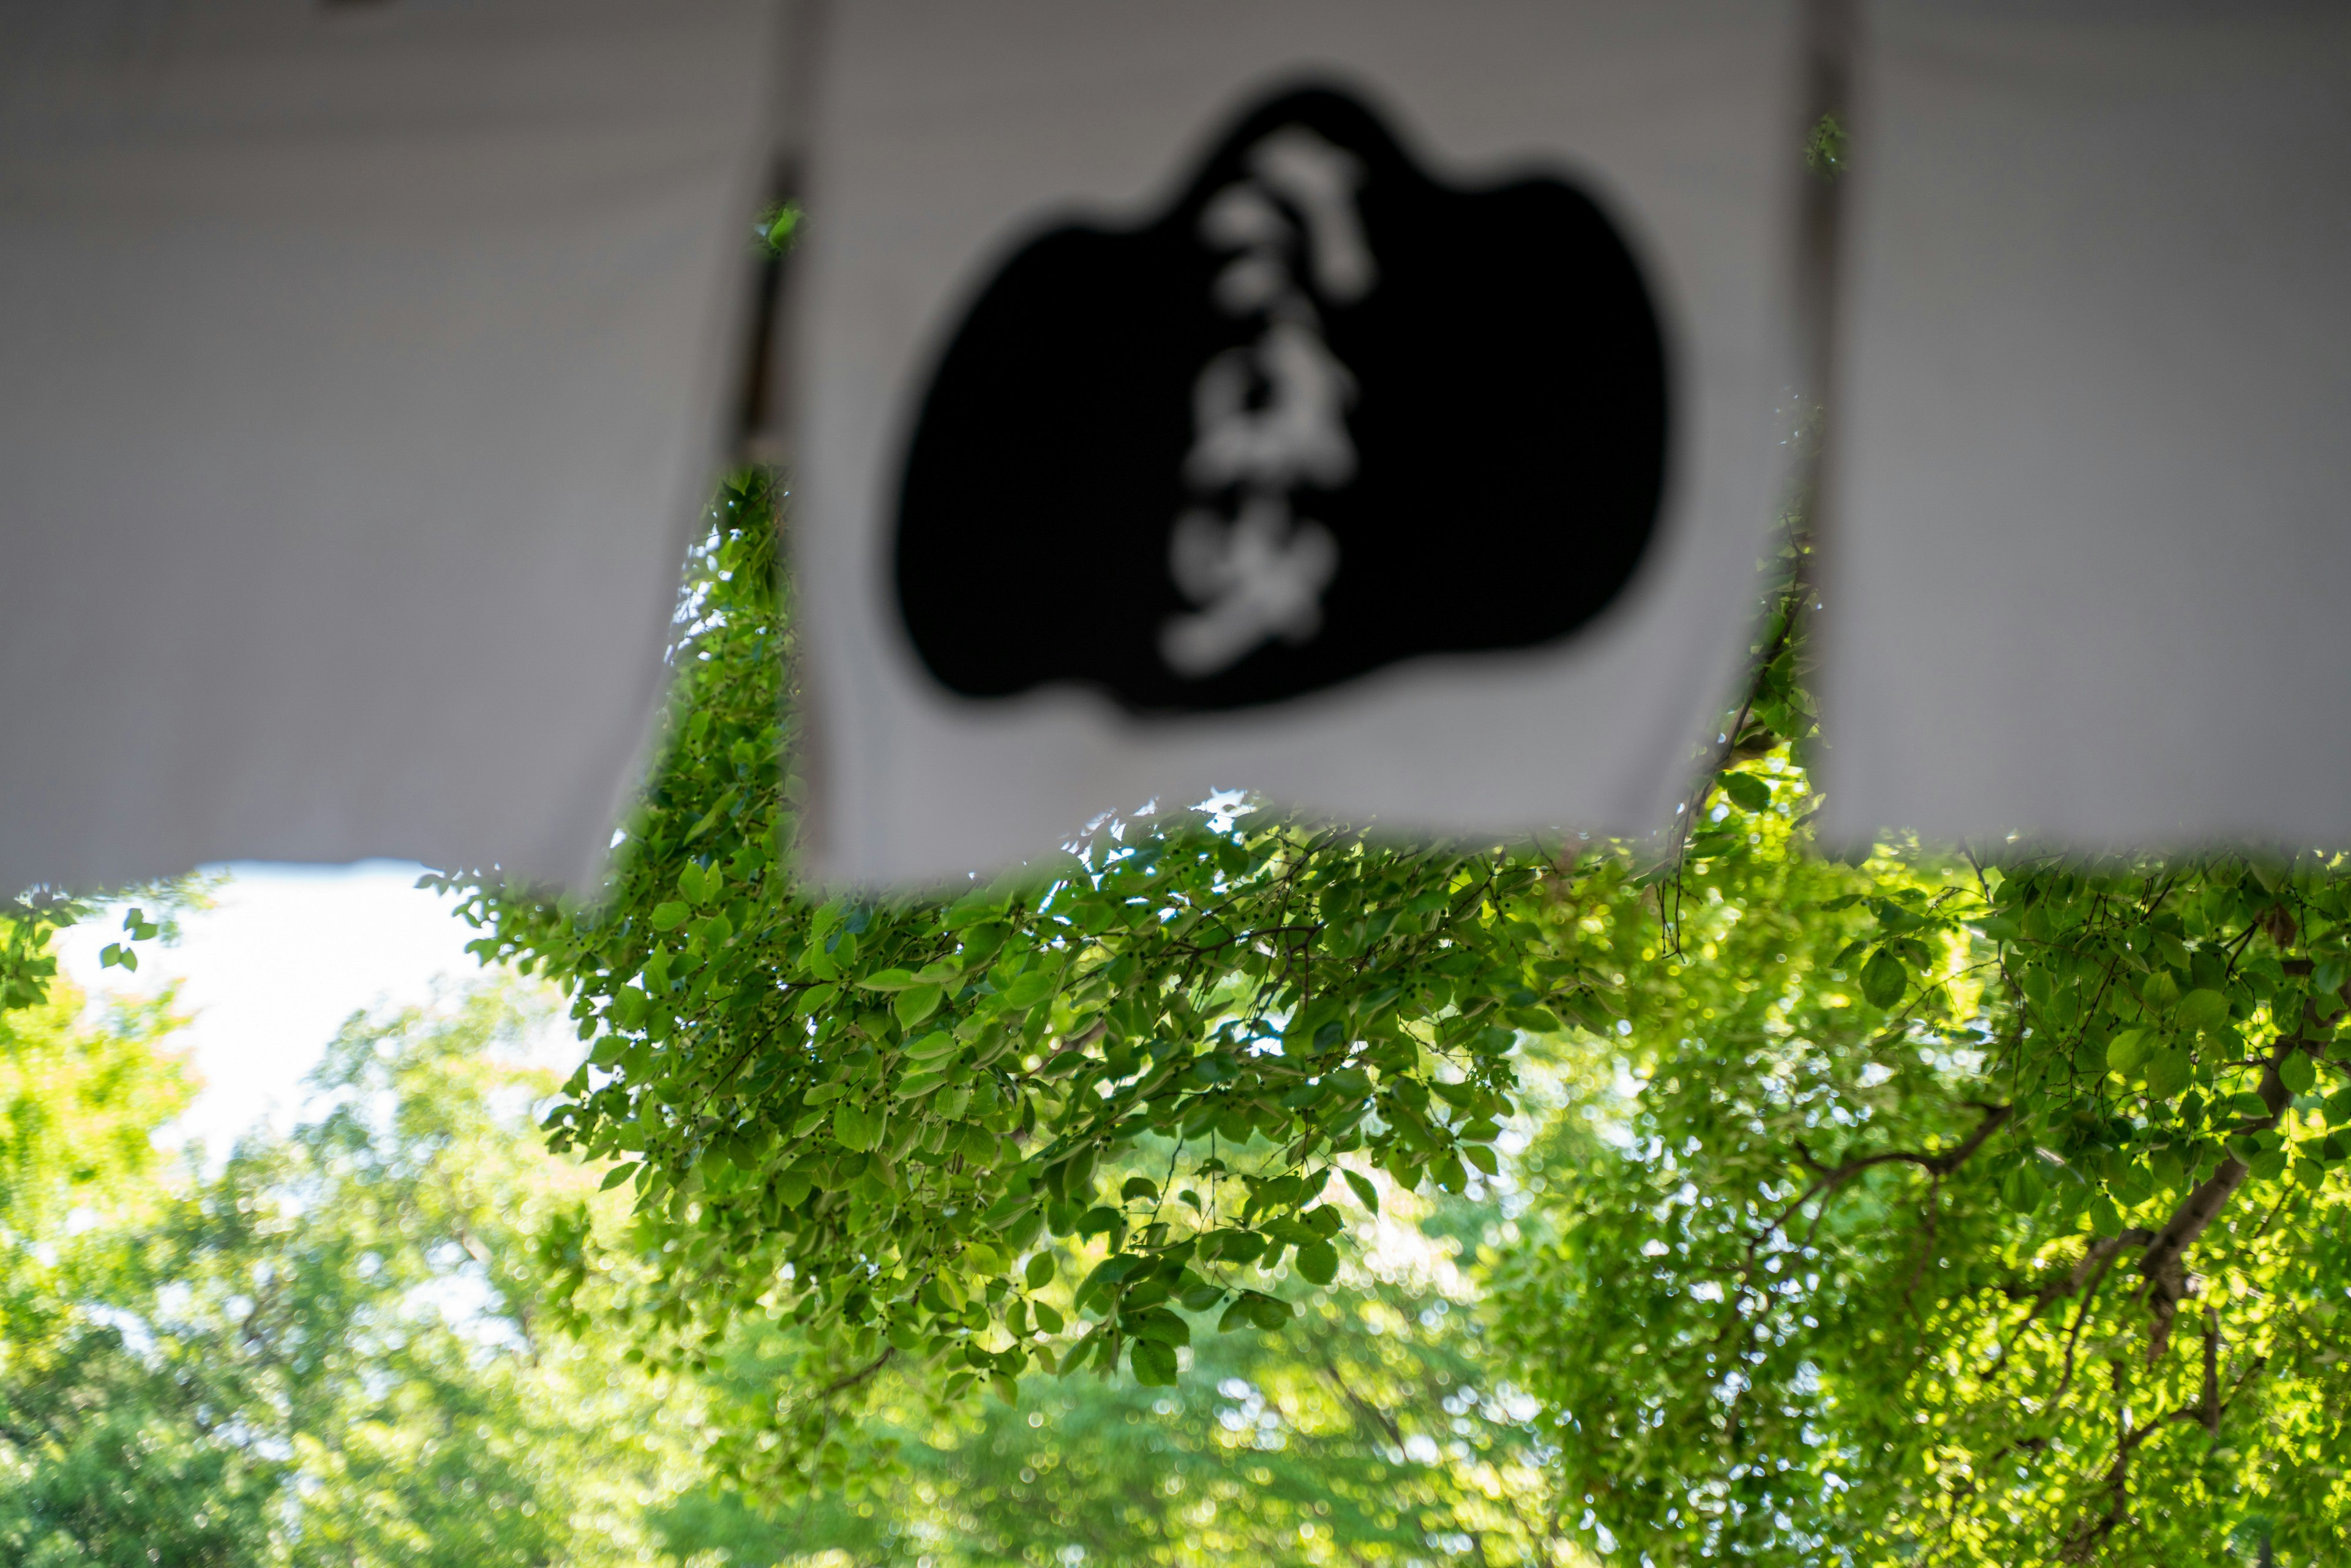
(847, 1380)
(1830, 1180)
(2164, 1263)
(2105, 1252)
(1370, 1413)
(2089, 1531)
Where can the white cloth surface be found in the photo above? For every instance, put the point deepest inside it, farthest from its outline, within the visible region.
(940, 131)
(362, 370)
(2091, 506)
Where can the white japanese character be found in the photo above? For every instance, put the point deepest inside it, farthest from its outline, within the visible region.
(1256, 579)
(1320, 181)
(1297, 434)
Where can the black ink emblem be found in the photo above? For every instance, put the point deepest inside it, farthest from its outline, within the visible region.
(1325, 415)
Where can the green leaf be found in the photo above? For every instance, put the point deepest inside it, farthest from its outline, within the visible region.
(915, 1085)
(2021, 1188)
(1031, 988)
(1105, 1277)
(1365, 1193)
(710, 818)
(2298, 1072)
(1039, 1271)
(1201, 1297)
(669, 916)
(1047, 1317)
(2127, 1050)
(853, 1129)
(1154, 1364)
(932, 1046)
(2202, 1009)
(1159, 1324)
(1318, 1262)
(1750, 793)
(616, 1176)
(888, 980)
(2167, 1073)
(1884, 979)
(915, 1003)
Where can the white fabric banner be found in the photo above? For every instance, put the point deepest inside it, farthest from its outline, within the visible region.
(1368, 404)
(364, 368)
(2091, 517)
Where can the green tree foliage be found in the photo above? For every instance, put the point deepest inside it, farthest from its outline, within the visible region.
(341, 1346)
(1373, 1430)
(1951, 1206)
(28, 920)
(1955, 1215)
(26, 965)
(870, 1111)
(329, 1350)
(100, 1459)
